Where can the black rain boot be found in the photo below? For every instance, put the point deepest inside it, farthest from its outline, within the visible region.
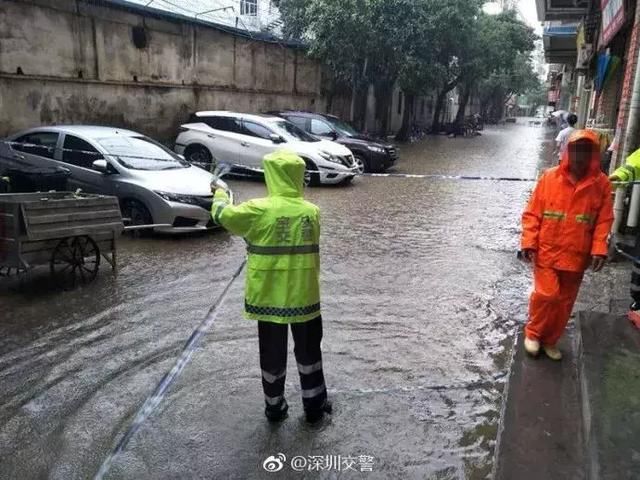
(277, 414)
(315, 415)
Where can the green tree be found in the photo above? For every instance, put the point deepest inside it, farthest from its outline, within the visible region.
(498, 53)
(420, 44)
(431, 59)
(496, 89)
(381, 42)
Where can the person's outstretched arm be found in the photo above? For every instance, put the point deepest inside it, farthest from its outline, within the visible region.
(237, 219)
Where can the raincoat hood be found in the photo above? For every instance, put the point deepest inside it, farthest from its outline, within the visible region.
(594, 166)
(284, 174)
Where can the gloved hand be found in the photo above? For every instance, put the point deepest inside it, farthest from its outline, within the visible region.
(597, 262)
(528, 255)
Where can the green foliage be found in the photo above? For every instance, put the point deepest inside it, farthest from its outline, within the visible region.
(422, 44)
(413, 41)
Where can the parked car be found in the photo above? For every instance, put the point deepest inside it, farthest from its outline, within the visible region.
(153, 184)
(243, 140)
(371, 155)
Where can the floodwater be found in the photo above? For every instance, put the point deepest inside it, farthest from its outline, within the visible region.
(422, 296)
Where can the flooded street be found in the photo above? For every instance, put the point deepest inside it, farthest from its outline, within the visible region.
(422, 295)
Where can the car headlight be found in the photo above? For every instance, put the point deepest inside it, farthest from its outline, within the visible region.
(331, 158)
(178, 198)
(373, 148)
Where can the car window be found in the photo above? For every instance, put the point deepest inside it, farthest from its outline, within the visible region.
(78, 152)
(226, 124)
(256, 130)
(343, 127)
(290, 132)
(141, 153)
(300, 122)
(318, 127)
(39, 143)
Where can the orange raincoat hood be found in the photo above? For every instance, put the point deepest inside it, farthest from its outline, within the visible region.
(594, 167)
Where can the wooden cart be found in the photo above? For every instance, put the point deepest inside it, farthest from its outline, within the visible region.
(68, 232)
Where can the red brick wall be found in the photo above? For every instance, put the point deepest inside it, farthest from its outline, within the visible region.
(630, 70)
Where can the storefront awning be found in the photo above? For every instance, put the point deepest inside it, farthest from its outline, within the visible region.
(560, 44)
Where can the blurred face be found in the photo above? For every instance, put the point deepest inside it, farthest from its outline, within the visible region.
(580, 154)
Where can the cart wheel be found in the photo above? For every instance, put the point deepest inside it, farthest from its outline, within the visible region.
(75, 259)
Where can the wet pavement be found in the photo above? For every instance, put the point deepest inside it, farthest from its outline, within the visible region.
(422, 296)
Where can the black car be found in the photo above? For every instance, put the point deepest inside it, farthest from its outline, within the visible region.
(371, 155)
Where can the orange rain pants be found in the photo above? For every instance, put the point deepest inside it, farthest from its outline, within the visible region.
(551, 302)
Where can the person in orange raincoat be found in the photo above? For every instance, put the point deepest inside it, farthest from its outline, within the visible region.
(565, 228)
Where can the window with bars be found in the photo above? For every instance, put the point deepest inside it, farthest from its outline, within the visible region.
(249, 7)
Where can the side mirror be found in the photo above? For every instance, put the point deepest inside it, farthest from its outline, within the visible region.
(333, 135)
(275, 138)
(101, 166)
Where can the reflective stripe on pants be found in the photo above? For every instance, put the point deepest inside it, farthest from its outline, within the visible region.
(307, 336)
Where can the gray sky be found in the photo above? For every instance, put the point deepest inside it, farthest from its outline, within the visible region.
(528, 10)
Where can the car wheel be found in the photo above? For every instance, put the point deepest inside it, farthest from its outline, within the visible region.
(361, 165)
(137, 214)
(200, 156)
(311, 179)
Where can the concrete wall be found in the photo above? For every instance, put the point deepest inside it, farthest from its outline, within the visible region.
(75, 61)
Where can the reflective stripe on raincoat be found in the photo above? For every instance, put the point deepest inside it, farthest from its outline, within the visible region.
(282, 233)
(567, 222)
(630, 171)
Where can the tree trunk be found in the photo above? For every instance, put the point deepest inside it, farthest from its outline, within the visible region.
(360, 106)
(383, 92)
(462, 107)
(435, 125)
(407, 119)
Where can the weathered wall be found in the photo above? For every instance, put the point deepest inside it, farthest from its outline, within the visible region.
(75, 61)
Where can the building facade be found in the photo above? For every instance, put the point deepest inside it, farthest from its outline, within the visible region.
(594, 47)
(251, 15)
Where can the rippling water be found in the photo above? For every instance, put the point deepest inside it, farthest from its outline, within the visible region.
(421, 297)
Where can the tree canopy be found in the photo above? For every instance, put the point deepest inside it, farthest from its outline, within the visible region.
(422, 45)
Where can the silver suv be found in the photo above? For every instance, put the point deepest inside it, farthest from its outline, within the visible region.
(243, 140)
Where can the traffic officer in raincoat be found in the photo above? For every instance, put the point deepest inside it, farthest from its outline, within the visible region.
(282, 288)
(630, 171)
(565, 229)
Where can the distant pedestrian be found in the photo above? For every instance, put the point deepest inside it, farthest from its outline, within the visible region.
(282, 232)
(563, 135)
(565, 229)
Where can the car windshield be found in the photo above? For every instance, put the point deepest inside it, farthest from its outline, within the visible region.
(290, 132)
(342, 127)
(141, 153)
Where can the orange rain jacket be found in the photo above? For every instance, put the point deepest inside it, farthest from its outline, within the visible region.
(568, 222)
